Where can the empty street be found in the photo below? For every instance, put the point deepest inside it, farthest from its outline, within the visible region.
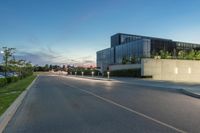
(58, 104)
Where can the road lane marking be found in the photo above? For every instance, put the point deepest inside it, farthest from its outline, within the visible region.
(128, 109)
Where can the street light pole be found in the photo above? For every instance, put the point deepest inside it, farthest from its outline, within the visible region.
(92, 74)
(108, 73)
(82, 73)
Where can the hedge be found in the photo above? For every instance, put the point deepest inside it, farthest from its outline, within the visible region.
(3, 82)
(126, 73)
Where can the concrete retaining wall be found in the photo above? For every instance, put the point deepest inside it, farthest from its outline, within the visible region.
(173, 70)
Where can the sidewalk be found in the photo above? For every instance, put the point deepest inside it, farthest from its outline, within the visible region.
(90, 77)
(191, 89)
(194, 92)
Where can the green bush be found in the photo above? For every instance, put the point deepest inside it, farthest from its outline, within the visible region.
(126, 73)
(9, 79)
(15, 79)
(3, 82)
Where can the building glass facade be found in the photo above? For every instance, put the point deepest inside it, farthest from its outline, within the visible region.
(135, 49)
(105, 58)
(128, 46)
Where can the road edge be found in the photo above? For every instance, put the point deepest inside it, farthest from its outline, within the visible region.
(189, 93)
(93, 78)
(9, 113)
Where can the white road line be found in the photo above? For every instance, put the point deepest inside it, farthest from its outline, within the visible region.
(131, 110)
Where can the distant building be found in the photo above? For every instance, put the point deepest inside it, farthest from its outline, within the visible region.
(136, 46)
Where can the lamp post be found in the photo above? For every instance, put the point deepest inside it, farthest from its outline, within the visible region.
(92, 74)
(82, 73)
(108, 73)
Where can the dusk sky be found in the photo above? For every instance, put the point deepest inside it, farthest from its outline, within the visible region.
(71, 31)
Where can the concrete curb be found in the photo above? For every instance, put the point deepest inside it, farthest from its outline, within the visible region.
(189, 93)
(8, 114)
(104, 79)
(93, 78)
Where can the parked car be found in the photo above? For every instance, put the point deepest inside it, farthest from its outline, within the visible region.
(9, 74)
(2, 76)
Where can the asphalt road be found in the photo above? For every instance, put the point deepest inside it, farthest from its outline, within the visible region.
(71, 105)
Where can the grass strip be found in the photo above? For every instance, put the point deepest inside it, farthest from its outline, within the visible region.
(10, 92)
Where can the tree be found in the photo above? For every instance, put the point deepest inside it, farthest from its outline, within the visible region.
(168, 55)
(13, 65)
(46, 67)
(24, 68)
(133, 60)
(124, 60)
(28, 69)
(191, 55)
(50, 67)
(7, 57)
(162, 54)
(64, 68)
(181, 54)
(165, 54)
(20, 64)
(197, 55)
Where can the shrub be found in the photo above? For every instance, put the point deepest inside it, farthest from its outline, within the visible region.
(126, 73)
(9, 79)
(3, 82)
(14, 79)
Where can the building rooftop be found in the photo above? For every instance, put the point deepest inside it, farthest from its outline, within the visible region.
(157, 38)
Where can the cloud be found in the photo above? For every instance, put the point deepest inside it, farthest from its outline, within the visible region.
(85, 61)
(37, 57)
(41, 57)
(49, 56)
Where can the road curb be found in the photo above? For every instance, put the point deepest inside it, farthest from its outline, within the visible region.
(189, 93)
(103, 79)
(8, 114)
(96, 78)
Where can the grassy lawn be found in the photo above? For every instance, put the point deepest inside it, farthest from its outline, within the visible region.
(9, 93)
(42, 73)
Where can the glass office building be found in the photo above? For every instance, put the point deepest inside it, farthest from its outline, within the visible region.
(126, 45)
(105, 58)
(136, 49)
